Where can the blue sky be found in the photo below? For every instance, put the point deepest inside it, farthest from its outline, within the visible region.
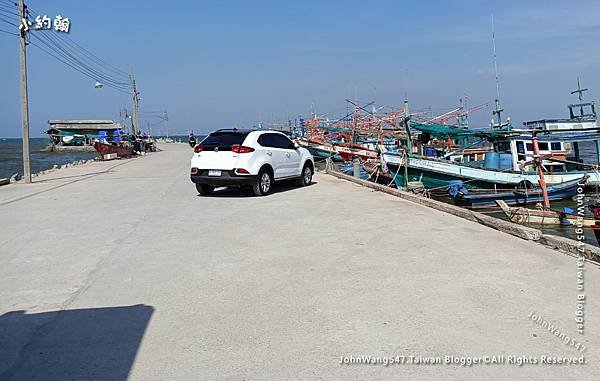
(219, 64)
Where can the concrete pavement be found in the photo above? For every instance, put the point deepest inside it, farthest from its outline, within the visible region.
(119, 270)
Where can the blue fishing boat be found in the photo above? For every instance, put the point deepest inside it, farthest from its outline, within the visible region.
(519, 196)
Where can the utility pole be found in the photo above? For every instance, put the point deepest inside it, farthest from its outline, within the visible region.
(134, 109)
(24, 95)
(167, 120)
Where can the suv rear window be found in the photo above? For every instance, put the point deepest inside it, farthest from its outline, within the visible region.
(224, 139)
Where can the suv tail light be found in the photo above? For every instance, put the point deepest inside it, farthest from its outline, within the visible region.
(194, 170)
(198, 148)
(241, 149)
(242, 171)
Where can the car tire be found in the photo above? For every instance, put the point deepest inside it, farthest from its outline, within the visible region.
(204, 189)
(305, 176)
(263, 183)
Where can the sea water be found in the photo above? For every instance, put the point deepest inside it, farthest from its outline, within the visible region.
(11, 156)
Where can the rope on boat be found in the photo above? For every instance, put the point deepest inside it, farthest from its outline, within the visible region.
(371, 174)
(594, 166)
(394, 178)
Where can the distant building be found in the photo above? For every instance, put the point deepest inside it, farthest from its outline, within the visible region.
(70, 133)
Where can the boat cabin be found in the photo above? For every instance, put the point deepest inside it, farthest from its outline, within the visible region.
(469, 155)
(567, 140)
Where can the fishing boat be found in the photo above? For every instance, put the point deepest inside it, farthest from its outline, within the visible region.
(322, 150)
(542, 216)
(355, 135)
(519, 196)
(120, 150)
(559, 142)
(376, 172)
(348, 151)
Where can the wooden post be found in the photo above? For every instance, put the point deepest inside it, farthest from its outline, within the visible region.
(540, 169)
(135, 128)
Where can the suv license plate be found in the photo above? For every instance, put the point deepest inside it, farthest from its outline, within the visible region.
(214, 173)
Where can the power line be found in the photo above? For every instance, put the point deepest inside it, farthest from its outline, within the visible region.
(7, 32)
(9, 7)
(51, 42)
(9, 22)
(71, 65)
(108, 65)
(66, 54)
(79, 56)
(9, 13)
(59, 43)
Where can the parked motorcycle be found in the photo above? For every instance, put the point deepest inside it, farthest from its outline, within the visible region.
(192, 141)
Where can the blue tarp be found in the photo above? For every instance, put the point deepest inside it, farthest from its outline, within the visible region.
(455, 187)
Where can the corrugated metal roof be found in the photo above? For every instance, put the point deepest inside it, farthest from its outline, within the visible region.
(84, 124)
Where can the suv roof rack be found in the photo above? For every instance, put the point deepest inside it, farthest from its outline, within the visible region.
(242, 130)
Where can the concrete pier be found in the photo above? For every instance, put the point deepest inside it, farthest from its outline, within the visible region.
(119, 270)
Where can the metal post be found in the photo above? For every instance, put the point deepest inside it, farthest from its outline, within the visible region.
(406, 168)
(356, 167)
(24, 95)
(167, 120)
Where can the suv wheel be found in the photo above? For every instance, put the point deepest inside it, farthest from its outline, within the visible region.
(263, 184)
(204, 190)
(306, 176)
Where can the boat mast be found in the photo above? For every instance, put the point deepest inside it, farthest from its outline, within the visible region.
(498, 110)
(406, 123)
(579, 93)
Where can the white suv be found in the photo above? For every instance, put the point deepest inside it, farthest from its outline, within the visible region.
(253, 158)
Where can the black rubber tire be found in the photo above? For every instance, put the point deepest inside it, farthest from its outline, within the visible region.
(204, 190)
(525, 184)
(264, 183)
(306, 175)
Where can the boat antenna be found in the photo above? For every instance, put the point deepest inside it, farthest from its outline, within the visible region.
(498, 110)
(581, 105)
(579, 90)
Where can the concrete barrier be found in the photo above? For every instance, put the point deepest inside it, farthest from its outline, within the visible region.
(562, 244)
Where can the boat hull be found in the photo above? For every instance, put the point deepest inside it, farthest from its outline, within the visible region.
(437, 173)
(349, 152)
(525, 216)
(105, 149)
(518, 197)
